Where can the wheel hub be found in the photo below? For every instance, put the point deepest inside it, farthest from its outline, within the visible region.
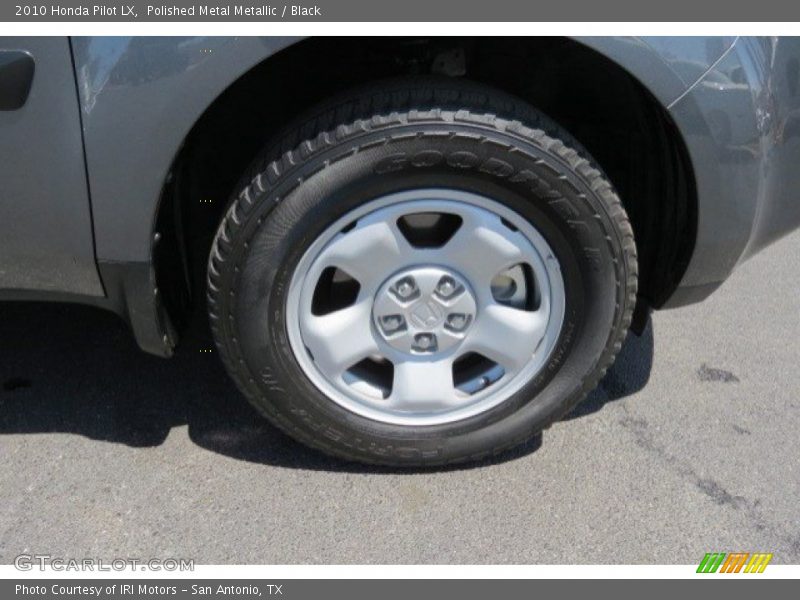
(424, 310)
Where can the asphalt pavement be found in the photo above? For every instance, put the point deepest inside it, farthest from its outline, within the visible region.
(690, 445)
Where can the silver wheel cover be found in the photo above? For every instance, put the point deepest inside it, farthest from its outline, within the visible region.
(422, 315)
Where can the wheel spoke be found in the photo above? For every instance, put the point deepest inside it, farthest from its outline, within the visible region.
(482, 247)
(507, 335)
(368, 253)
(340, 339)
(422, 385)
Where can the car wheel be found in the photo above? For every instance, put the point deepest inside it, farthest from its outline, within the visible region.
(423, 272)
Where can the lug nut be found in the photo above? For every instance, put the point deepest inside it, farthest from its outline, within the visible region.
(405, 288)
(446, 287)
(425, 342)
(392, 323)
(457, 321)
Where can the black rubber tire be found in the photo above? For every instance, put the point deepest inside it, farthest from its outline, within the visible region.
(364, 145)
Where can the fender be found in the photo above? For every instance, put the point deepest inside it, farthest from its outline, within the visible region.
(139, 99)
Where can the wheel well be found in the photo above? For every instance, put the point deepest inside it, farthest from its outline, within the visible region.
(629, 134)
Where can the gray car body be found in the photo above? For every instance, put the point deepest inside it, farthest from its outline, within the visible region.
(85, 159)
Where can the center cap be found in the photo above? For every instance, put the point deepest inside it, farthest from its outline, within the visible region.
(424, 310)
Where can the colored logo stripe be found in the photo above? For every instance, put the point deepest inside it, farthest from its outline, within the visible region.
(758, 563)
(733, 563)
(711, 562)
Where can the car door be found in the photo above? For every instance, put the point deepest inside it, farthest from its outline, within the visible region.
(46, 244)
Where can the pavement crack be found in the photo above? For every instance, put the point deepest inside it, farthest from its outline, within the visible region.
(719, 495)
(710, 488)
(706, 373)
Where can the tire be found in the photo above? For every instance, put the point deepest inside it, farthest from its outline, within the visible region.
(389, 141)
